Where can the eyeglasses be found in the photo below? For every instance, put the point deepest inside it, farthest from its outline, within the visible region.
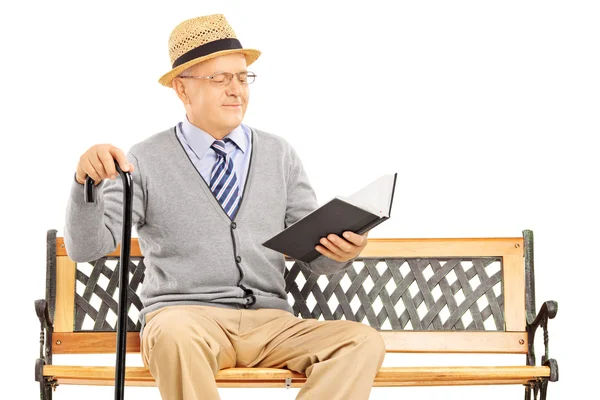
(224, 78)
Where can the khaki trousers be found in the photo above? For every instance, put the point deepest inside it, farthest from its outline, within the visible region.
(184, 346)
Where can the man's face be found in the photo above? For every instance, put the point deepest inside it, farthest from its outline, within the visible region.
(213, 107)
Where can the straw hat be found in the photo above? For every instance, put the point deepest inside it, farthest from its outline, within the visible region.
(200, 39)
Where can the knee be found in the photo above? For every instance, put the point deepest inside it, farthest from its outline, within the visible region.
(374, 341)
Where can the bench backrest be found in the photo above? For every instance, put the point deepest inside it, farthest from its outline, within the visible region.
(463, 295)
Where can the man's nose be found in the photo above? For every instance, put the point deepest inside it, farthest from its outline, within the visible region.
(235, 87)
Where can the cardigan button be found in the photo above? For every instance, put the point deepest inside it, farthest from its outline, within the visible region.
(233, 225)
(238, 259)
(250, 300)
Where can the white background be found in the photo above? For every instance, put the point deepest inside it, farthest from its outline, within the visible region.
(488, 111)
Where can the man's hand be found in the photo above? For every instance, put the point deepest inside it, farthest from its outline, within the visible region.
(340, 249)
(98, 162)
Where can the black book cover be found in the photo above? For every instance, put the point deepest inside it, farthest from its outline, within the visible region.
(336, 216)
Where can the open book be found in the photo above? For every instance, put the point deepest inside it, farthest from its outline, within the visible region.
(358, 213)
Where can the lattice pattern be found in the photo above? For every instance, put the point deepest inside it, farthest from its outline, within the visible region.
(97, 294)
(402, 294)
(388, 294)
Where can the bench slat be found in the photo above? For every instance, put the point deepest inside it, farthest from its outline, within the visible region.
(274, 377)
(393, 247)
(396, 342)
(65, 294)
(297, 384)
(514, 292)
(455, 342)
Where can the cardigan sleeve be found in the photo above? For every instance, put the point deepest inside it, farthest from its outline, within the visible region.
(93, 230)
(301, 200)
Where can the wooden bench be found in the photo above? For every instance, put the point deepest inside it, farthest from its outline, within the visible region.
(455, 295)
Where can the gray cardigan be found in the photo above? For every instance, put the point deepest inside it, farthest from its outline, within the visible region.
(193, 252)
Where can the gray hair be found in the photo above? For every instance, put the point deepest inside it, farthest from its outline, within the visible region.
(187, 72)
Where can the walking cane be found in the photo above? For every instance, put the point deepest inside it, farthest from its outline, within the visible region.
(123, 276)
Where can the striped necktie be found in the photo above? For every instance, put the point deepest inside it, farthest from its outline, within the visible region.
(223, 181)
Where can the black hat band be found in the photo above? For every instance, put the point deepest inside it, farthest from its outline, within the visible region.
(208, 48)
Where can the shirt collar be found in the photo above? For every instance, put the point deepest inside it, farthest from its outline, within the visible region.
(200, 140)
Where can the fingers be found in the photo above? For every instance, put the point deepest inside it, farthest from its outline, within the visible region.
(99, 163)
(340, 249)
(358, 240)
(337, 248)
(344, 245)
(109, 164)
(99, 167)
(330, 254)
(118, 155)
(88, 169)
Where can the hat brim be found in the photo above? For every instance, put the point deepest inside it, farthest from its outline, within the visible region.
(167, 79)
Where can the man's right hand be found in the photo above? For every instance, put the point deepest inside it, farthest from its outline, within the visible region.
(99, 163)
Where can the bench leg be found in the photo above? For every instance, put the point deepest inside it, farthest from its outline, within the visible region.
(528, 389)
(543, 389)
(536, 387)
(47, 392)
(46, 388)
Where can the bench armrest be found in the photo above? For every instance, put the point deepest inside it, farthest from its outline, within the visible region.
(41, 309)
(546, 312)
(46, 329)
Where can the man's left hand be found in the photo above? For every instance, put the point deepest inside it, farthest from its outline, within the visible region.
(342, 249)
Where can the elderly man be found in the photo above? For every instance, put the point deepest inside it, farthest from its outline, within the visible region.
(207, 193)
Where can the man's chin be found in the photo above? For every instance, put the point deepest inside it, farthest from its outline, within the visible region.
(233, 121)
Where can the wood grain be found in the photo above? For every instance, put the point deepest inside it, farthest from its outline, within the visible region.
(274, 377)
(398, 247)
(396, 342)
(65, 294)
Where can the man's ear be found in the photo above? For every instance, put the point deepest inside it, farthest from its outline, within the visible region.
(179, 88)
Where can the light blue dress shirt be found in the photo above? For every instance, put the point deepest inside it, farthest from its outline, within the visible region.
(197, 142)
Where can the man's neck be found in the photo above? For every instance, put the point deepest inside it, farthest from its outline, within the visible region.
(216, 133)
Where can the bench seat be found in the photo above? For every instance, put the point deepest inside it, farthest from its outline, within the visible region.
(275, 377)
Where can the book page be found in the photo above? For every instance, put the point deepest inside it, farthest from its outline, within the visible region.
(375, 197)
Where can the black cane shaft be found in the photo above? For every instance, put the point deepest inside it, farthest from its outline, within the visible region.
(123, 285)
(123, 275)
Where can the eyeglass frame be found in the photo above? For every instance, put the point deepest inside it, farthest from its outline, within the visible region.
(227, 74)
